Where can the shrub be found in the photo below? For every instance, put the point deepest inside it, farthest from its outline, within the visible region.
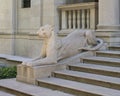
(8, 72)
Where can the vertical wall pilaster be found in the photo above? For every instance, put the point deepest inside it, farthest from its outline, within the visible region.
(92, 18)
(109, 12)
(109, 21)
(13, 25)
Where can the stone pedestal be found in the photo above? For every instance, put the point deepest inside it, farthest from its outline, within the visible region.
(110, 34)
(31, 74)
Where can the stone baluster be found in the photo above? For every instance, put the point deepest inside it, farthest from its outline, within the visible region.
(88, 18)
(69, 19)
(64, 20)
(74, 19)
(83, 19)
(78, 19)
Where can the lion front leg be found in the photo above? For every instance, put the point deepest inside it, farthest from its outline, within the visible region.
(32, 60)
(43, 61)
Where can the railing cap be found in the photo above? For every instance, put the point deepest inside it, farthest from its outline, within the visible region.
(88, 5)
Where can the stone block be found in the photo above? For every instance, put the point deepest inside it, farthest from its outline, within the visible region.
(31, 74)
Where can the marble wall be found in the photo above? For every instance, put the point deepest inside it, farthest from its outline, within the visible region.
(5, 26)
(18, 35)
(18, 31)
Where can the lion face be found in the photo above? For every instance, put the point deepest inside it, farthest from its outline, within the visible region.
(45, 31)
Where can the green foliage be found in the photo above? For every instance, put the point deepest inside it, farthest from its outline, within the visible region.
(8, 72)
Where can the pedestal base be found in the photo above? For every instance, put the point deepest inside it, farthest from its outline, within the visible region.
(30, 74)
(110, 34)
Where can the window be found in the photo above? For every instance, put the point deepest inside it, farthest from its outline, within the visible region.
(26, 3)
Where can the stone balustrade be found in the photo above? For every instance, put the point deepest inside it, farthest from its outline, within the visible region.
(79, 16)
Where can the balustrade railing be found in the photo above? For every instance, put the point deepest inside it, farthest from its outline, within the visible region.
(79, 16)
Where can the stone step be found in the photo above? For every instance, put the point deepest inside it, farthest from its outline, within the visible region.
(95, 69)
(100, 80)
(113, 54)
(5, 94)
(77, 88)
(102, 61)
(21, 89)
(115, 48)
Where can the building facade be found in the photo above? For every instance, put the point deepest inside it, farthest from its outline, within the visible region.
(20, 19)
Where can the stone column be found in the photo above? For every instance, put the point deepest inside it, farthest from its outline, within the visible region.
(109, 21)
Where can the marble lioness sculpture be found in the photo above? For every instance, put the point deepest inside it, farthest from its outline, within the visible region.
(54, 49)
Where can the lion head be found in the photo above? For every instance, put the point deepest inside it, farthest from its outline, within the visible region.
(45, 31)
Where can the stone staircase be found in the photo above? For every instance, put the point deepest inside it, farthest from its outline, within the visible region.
(97, 75)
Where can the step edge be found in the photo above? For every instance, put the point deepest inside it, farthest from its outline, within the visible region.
(85, 90)
(92, 78)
